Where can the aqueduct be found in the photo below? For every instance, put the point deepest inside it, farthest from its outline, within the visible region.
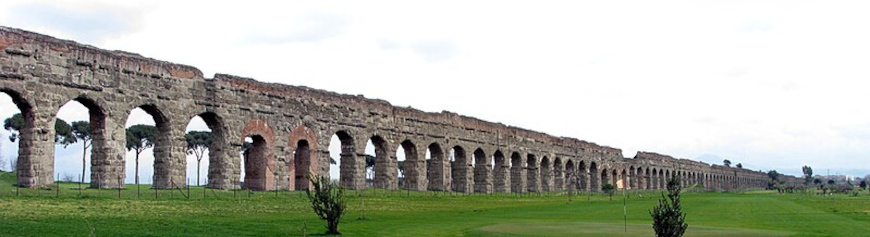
(291, 127)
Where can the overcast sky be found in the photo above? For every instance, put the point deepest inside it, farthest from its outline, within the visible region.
(770, 84)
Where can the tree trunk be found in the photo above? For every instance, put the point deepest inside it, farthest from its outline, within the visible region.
(197, 170)
(137, 167)
(84, 162)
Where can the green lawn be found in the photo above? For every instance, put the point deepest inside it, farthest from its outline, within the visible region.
(400, 213)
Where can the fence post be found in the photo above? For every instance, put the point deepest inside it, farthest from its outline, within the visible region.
(99, 185)
(81, 180)
(119, 187)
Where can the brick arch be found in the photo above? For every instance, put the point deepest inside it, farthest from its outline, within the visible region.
(518, 172)
(302, 146)
(570, 175)
(482, 171)
(260, 164)
(124, 79)
(558, 174)
(29, 172)
(165, 169)
(101, 155)
(351, 166)
(436, 167)
(460, 173)
(500, 172)
(413, 178)
(385, 163)
(546, 174)
(533, 172)
(219, 153)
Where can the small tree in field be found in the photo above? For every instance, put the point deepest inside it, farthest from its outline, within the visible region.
(327, 199)
(668, 216)
(863, 184)
(82, 131)
(197, 143)
(608, 189)
(139, 138)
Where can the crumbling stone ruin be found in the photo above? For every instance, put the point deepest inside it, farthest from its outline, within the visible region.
(291, 127)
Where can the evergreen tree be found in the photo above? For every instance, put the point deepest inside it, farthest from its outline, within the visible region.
(197, 143)
(668, 217)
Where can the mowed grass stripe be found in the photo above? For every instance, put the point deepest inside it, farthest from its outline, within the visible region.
(394, 213)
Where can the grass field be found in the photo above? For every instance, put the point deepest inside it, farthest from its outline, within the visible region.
(400, 213)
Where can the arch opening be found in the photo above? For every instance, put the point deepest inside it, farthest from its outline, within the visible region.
(570, 175)
(147, 148)
(594, 178)
(344, 166)
(302, 164)
(517, 173)
(407, 166)
(501, 173)
(435, 168)
(459, 170)
(20, 132)
(533, 181)
(482, 179)
(204, 136)
(380, 167)
(85, 133)
(256, 170)
(558, 175)
(546, 175)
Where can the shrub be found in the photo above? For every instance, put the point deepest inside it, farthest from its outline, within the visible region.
(608, 189)
(668, 216)
(327, 199)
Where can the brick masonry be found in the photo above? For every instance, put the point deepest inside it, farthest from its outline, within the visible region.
(292, 126)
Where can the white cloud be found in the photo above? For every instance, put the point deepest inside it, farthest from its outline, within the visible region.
(435, 51)
(87, 21)
(309, 27)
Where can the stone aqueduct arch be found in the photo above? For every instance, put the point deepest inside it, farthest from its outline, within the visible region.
(292, 126)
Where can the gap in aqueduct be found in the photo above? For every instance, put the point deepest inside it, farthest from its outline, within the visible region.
(146, 163)
(9, 150)
(72, 162)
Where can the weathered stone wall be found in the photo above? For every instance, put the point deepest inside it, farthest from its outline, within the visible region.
(43, 73)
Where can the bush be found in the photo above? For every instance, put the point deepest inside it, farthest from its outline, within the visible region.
(608, 189)
(327, 199)
(668, 216)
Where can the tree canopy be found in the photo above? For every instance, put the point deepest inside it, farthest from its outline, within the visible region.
(62, 130)
(808, 174)
(198, 142)
(141, 137)
(81, 130)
